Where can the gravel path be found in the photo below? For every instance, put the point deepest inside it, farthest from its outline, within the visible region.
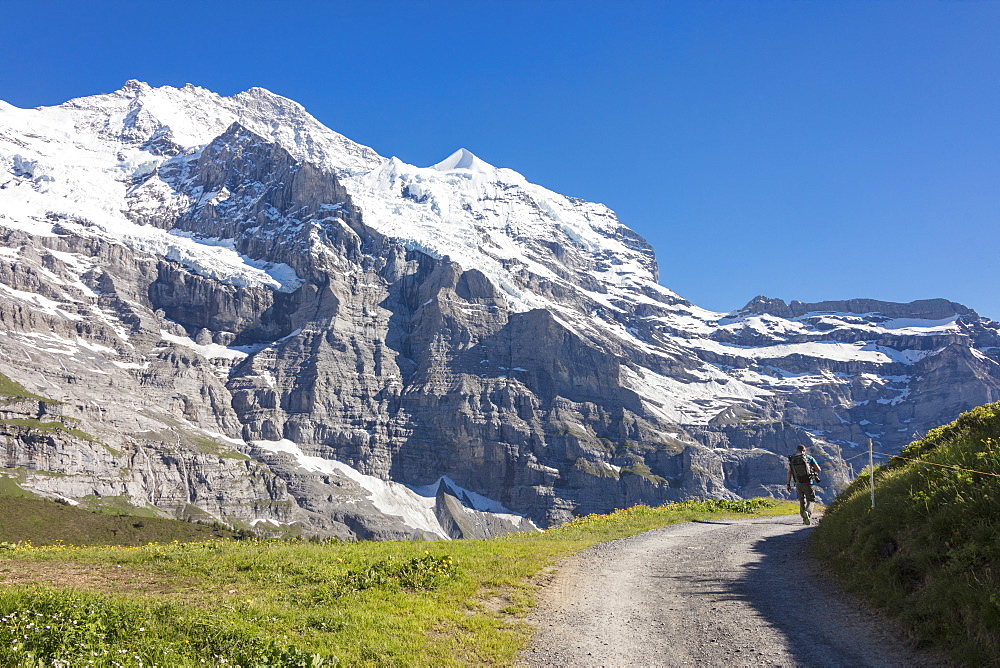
(718, 593)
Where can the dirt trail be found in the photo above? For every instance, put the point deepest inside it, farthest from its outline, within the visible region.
(719, 593)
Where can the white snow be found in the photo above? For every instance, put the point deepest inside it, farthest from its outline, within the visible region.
(478, 501)
(208, 351)
(133, 366)
(694, 402)
(983, 356)
(809, 324)
(389, 497)
(463, 159)
(96, 347)
(843, 352)
(414, 505)
(44, 304)
(915, 326)
(71, 163)
(480, 217)
(51, 343)
(222, 437)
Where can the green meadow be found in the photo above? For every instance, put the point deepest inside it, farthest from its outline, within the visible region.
(298, 602)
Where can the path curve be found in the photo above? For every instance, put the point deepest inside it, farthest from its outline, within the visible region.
(711, 593)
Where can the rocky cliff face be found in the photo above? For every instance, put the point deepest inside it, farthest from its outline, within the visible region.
(217, 307)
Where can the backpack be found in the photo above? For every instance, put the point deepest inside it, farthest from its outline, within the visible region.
(801, 470)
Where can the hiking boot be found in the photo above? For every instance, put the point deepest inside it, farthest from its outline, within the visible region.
(806, 520)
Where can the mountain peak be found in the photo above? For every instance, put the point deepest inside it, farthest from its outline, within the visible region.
(463, 159)
(135, 86)
(259, 94)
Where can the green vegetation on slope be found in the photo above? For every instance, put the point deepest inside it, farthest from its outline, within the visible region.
(45, 522)
(929, 553)
(11, 390)
(46, 427)
(298, 603)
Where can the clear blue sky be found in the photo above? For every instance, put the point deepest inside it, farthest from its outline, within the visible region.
(804, 150)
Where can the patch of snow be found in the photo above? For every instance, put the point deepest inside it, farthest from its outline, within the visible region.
(268, 377)
(904, 356)
(915, 326)
(832, 350)
(415, 505)
(212, 258)
(208, 351)
(44, 304)
(388, 497)
(478, 501)
(901, 398)
(694, 403)
(222, 437)
(982, 356)
(268, 521)
(96, 347)
(134, 366)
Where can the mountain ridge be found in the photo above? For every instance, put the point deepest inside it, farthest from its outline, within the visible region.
(200, 267)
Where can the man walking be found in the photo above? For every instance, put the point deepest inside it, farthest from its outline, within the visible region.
(804, 470)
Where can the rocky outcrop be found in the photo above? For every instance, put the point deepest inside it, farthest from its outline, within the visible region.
(922, 309)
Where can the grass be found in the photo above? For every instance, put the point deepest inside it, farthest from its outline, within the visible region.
(50, 427)
(10, 488)
(299, 603)
(11, 391)
(180, 436)
(45, 522)
(929, 553)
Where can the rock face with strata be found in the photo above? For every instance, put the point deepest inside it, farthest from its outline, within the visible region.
(216, 307)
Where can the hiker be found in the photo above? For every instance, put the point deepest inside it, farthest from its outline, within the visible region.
(805, 471)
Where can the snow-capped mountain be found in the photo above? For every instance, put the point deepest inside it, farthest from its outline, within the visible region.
(218, 306)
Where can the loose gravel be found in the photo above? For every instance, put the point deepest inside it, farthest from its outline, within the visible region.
(738, 592)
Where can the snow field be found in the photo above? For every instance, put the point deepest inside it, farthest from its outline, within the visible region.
(414, 505)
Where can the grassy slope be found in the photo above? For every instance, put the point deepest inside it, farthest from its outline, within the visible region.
(929, 553)
(299, 603)
(45, 522)
(13, 391)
